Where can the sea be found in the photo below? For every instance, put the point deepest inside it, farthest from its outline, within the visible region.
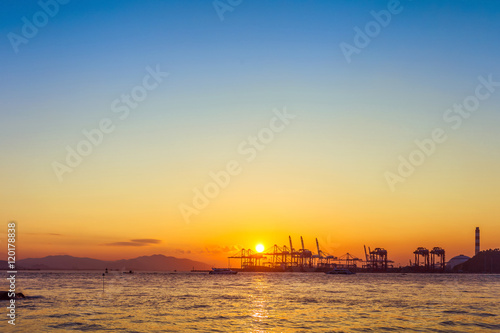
(253, 302)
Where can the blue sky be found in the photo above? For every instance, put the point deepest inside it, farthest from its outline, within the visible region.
(279, 52)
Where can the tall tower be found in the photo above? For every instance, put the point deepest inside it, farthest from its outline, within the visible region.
(477, 240)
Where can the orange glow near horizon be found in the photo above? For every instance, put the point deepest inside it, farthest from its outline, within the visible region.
(215, 250)
(108, 209)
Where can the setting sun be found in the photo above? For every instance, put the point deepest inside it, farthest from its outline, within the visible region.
(259, 248)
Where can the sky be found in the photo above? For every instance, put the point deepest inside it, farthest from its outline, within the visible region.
(195, 129)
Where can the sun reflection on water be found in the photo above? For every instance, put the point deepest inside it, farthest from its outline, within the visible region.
(260, 302)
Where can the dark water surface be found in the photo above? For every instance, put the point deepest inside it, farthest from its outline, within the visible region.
(255, 302)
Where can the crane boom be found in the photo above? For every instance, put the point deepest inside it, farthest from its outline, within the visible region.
(290, 239)
(317, 246)
(302, 241)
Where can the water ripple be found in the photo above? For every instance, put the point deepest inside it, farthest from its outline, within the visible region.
(256, 302)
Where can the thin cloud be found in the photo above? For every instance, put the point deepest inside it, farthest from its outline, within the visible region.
(136, 242)
(125, 244)
(43, 234)
(146, 240)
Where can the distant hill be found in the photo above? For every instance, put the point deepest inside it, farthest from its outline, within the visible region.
(155, 262)
(484, 262)
(62, 262)
(4, 265)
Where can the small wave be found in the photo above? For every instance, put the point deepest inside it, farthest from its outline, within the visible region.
(334, 292)
(220, 317)
(212, 318)
(484, 314)
(136, 295)
(237, 285)
(495, 327)
(63, 315)
(250, 317)
(448, 323)
(307, 300)
(196, 306)
(455, 311)
(386, 328)
(93, 313)
(302, 327)
(78, 326)
(230, 297)
(129, 316)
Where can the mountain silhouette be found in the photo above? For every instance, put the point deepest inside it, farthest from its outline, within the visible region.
(157, 262)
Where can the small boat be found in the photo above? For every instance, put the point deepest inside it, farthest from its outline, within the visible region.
(222, 271)
(344, 271)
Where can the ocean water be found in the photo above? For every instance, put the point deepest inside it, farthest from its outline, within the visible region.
(255, 302)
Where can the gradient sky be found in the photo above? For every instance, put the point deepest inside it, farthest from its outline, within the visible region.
(323, 176)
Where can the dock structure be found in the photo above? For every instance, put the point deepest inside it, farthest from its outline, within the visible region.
(349, 261)
(287, 258)
(377, 260)
(429, 261)
(422, 261)
(438, 259)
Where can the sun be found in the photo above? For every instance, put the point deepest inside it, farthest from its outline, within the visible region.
(259, 247)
